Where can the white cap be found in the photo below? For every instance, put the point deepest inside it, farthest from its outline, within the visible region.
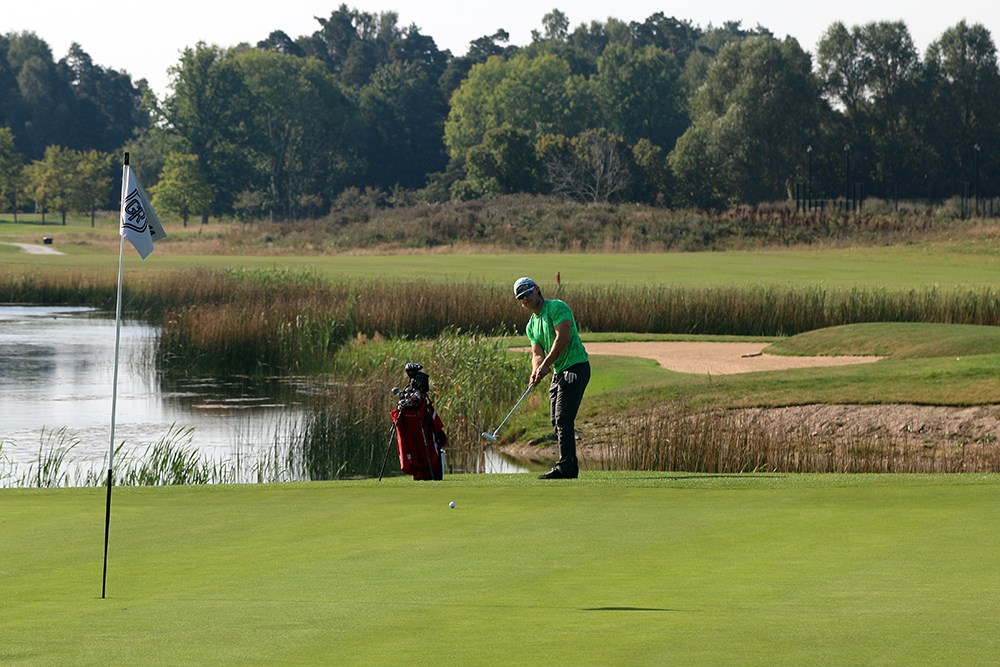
(523, 287)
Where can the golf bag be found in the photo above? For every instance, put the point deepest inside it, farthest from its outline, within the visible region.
(420, 436)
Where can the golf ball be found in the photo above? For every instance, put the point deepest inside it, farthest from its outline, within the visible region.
(452, 504)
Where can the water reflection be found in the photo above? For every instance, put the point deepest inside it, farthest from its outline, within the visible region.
(57, 371)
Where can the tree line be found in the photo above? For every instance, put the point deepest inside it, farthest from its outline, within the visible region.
(364, 110)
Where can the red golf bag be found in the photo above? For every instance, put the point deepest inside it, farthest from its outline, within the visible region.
(420, 436)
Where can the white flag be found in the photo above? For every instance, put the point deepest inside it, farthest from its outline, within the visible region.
(139, 224)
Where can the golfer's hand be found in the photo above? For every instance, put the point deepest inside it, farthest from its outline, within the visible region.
(569, 377)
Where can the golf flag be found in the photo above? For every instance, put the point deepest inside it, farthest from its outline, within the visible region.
(139, 224)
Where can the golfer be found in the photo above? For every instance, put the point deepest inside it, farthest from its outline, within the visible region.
(556, 346)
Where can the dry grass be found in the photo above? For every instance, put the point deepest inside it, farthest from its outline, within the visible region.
(675, 437)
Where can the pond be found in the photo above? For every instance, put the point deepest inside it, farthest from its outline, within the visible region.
(57, 372)
(56, 381)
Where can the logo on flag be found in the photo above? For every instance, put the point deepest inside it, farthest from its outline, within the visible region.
(139, 224)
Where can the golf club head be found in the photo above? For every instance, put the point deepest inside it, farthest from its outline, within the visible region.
(489, 436)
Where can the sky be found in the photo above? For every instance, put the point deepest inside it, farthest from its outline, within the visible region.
(146, 38)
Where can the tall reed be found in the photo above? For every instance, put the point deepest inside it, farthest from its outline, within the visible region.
(5, 466)
(250, 337)
(174, 459)
(49, 469)
(344, 434)
(347, 433)
(676, 437)
(774, 310)
(290, 320)
(93, 288)
(478, 379)
(298, 332)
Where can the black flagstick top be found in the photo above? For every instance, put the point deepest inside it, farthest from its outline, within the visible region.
(126, 158)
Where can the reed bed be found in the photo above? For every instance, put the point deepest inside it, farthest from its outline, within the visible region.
(172, 460)
(775, 310)
(344, 435)
(50, 469)
(677, 438)
(243, 314)
(93, 288)
(255, 337)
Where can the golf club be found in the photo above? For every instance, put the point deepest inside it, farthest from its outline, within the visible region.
(492, 437)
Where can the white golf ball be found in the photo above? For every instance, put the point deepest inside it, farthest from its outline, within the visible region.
(452, 504)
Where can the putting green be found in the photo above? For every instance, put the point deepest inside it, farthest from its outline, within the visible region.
(613, 568)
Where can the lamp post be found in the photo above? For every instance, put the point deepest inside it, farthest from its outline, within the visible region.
(809, 183)
(847, 175)
(976, 147)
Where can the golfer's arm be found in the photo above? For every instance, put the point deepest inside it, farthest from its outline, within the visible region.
(537, 356)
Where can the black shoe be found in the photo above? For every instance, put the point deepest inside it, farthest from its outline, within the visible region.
(559, 473)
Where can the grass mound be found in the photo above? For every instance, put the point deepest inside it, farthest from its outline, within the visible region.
(893, 339)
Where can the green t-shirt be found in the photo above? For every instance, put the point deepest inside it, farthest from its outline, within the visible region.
(541, 329)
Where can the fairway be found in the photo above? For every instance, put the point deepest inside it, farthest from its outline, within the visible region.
(900, 267)
(614, 568)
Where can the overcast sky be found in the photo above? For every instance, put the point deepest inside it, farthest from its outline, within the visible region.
(145, 38)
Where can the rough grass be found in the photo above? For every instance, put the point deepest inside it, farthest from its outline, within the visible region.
(639, 568)
(552, 224)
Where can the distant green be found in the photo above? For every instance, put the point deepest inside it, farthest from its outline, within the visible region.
(896, 267)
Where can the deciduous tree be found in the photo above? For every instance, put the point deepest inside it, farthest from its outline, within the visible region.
(641, 95)
(752, 121)
(539, 95)
(11, 172)
(91, 190)
(593, 166)
(505, 162)
(963, 111)
(181, 188)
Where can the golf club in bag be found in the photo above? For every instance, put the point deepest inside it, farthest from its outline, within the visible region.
(492, 437)
(419, 432)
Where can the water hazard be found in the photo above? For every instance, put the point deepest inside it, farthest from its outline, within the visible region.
(57, 376)
(57, 372)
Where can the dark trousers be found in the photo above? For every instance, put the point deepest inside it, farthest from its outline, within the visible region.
(564, 402)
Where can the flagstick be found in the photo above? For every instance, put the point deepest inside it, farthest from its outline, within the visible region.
(114, 391)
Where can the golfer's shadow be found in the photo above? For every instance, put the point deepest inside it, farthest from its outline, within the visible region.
(662, 609)
(674, 477)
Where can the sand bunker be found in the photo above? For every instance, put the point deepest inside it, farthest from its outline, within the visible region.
(717, 358)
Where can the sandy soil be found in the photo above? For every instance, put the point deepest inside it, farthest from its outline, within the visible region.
(717, 358)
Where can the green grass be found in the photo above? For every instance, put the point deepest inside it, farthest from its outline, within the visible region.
(639, 568)
(895, 267)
